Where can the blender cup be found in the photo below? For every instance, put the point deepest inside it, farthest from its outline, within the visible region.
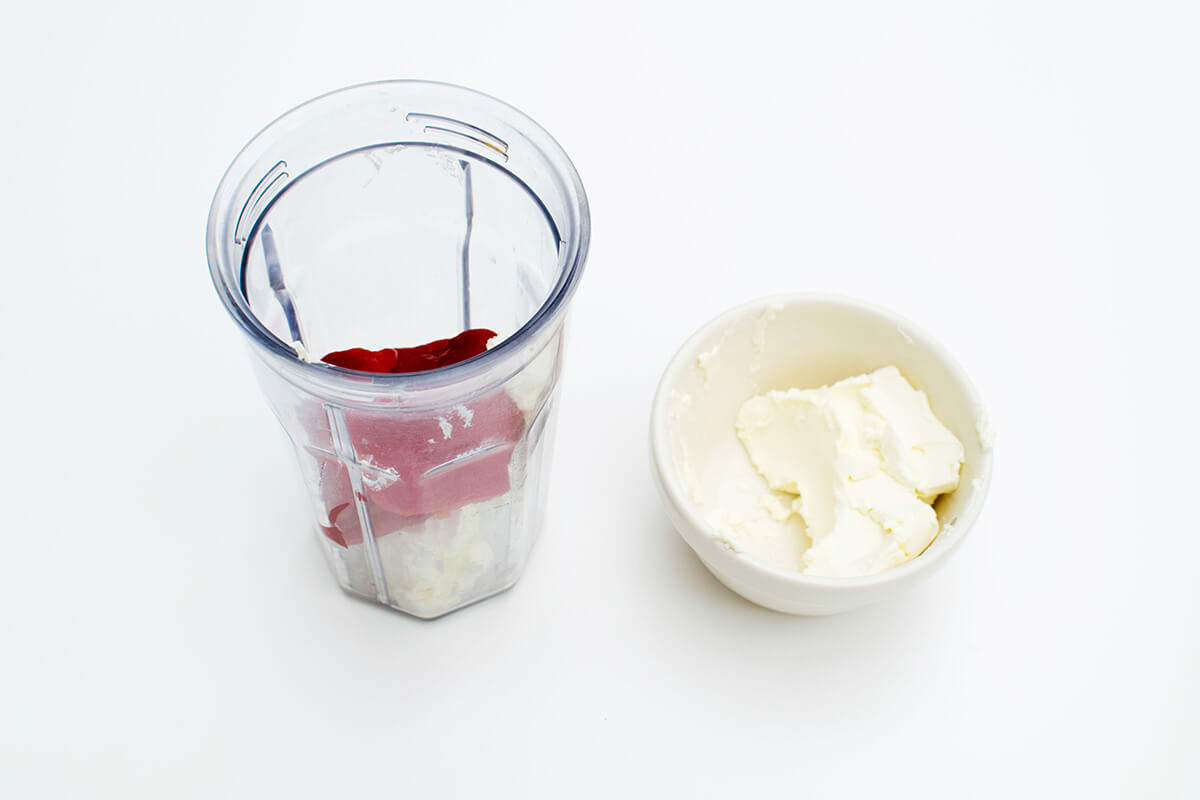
(389, 215)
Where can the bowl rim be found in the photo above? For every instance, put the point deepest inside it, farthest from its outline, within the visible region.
(674, 493)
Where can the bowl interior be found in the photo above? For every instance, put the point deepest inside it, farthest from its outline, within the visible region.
(805, 342)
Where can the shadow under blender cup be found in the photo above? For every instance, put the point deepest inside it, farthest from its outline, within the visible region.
(386, 215)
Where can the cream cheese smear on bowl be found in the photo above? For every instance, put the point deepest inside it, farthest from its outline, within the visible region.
(851, 471)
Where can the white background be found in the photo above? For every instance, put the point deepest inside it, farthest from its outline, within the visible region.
(1020, 179)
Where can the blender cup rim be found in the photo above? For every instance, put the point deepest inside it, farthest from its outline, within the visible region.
(576, 235)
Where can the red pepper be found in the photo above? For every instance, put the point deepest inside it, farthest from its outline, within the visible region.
(438, 353)
(363, 360)
(419, 454)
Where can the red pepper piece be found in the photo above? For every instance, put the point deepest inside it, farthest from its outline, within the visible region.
(419, 359)
(420, 451)
(333, 532)
(467, 344)
(363, 360)
(424, 475)
(438, 353)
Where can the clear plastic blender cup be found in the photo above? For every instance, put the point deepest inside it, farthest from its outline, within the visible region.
(390, 215)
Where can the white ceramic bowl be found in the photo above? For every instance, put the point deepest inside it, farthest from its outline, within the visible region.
(805, 341)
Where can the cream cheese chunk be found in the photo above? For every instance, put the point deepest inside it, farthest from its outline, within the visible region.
(862, 461)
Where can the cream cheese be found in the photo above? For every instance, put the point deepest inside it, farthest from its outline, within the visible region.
(859, 463)
(432, 566)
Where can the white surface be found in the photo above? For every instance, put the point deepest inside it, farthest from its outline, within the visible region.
(1019, 178)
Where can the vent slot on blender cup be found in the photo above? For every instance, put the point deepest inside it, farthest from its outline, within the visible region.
(265, 190)
(437, 122)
